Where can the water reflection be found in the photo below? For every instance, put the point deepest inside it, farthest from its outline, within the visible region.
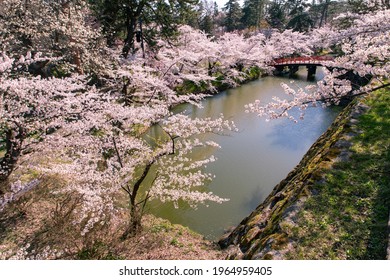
(297, 136)
(251, 201)
(252, 161)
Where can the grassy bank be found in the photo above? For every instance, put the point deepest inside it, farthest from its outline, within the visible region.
(347, 218)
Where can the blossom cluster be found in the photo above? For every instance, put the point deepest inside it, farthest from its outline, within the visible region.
(17, 189)
(101, 138)
(98, 140)
(56, 28)
(365, 57)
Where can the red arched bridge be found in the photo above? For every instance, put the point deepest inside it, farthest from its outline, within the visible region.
(292, 64)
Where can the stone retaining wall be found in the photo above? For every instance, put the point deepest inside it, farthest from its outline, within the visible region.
(260, 235)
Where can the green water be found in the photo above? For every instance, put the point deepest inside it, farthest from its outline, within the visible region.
(252, 161)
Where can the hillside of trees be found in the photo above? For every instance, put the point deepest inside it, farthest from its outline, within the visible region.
(81, 83)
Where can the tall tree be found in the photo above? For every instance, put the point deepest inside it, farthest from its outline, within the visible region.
(253, 13)
(126, 17)
(324, 12)
(275, 15)
(300, 19)
(208, 12)
(233, 15)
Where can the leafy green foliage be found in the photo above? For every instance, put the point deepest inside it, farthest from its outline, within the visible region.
(233, 15)
(302, 22)
(276, 16)
(122, 19)
(252, 13)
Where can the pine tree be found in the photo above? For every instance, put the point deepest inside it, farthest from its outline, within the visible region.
(276, 17)
(253, 13)
(122, 18)
(207, 16)
(300, 19)
(233, 15)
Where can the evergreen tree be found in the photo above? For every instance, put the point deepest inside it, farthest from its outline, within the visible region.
(275, 15)
(321, 11)
(300, 19)
(207, 16)
(233, 15)
(253, 13)
(301, 22)
(122, 18)
(324, 12)
(216, 10)
(207, 24)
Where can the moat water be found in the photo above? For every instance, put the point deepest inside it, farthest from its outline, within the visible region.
(251, 161)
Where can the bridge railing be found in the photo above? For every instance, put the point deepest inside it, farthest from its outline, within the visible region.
(301, 60)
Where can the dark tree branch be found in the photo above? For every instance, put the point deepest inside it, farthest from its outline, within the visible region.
(117, 152)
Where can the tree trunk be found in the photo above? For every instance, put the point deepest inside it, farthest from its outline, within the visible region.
(134, 226)
(135, 219)
(13, 144)
(135, 211)
(324, 14)
(77, 60)
(136, 207)
(133, 13)
(131, 24)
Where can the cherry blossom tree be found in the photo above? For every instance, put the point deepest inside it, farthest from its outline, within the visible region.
(58, 28)
(30, 107)
(108, 150)
(362, 67)
(196, 58)
(103, 141)
(202, 59)
(99, 141)
(288, 43)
